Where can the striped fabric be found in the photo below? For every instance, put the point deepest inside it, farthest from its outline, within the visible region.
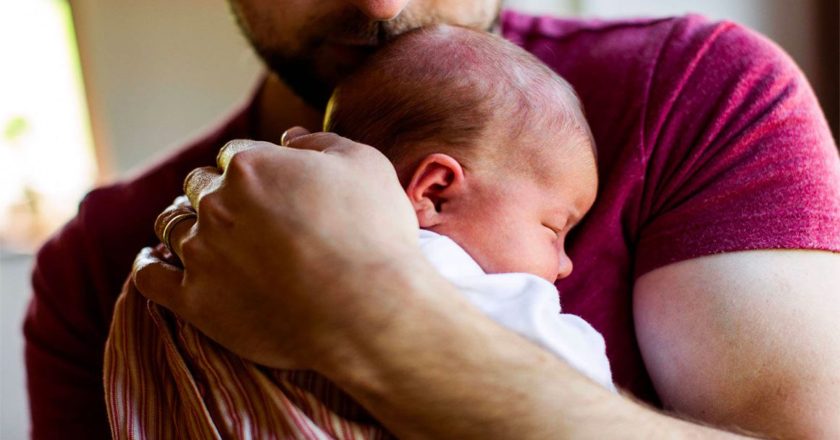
(165, 380)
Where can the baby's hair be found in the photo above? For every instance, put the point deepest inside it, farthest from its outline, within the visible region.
(439, 89)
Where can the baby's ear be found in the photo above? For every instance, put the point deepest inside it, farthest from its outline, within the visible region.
(438, 179)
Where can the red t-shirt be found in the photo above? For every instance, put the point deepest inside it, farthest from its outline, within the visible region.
(710, 140)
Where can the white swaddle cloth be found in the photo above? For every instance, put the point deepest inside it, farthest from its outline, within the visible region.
(524, 303)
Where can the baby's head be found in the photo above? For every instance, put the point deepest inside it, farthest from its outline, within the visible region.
(491, 146)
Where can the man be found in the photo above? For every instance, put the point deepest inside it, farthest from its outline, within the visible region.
(712, 152)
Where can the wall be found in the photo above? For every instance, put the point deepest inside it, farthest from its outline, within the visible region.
(14, 289)
(158, 71)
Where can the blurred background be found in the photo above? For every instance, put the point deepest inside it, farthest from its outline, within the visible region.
(93, 89)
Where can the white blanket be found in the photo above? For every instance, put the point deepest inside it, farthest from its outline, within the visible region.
(524, 303)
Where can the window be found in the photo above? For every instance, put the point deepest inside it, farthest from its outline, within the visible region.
(46, 151)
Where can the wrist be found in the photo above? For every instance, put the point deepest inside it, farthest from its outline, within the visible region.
(404, 295)
(431, 365)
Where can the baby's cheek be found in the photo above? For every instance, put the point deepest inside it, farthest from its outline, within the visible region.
(544, 263)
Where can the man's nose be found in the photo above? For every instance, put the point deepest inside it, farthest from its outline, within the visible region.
(380, 10)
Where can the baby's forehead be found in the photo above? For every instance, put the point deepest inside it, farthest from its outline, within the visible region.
(563, 175)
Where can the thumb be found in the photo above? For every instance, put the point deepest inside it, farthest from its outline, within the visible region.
(159, 281)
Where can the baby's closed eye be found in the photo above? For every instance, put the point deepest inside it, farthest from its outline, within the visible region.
(554, 230)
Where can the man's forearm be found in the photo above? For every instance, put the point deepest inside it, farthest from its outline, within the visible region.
(440, 372)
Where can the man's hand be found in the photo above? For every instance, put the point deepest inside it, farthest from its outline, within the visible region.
(308, 258)
(280, 232)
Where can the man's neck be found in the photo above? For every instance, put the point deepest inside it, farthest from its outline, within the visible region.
(280, 109)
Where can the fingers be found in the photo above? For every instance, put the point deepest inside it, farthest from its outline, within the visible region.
(201, 181)
(231, 149)
(158, 281)
(321, 141)
(172, 225)
(181, 202)
(296, 137)
(177, 233)
(236, 146)
(292, 133)
(180, 206)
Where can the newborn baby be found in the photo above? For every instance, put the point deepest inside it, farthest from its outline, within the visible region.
(497, 159)
(494, 153)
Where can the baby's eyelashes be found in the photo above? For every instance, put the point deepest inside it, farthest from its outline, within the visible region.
(559, 232)
(553, 230)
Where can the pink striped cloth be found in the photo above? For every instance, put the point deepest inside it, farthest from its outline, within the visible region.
(164, 379)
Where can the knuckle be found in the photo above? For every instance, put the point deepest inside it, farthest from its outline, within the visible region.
(208, 206)
(229, 150)
(140, 273)
(212, 211)
(240, 166)
(181, 201)
(168, 215)
(191, 176)
(140, 279)
(199, 179)
(161, 221)
(190, 250)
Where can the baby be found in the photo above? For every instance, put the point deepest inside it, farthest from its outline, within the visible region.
(494, 152)
(498, 161)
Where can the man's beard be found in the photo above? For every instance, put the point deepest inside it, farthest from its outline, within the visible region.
(309, 70)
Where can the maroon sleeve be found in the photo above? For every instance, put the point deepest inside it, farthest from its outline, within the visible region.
(739, 155)
(65, 330)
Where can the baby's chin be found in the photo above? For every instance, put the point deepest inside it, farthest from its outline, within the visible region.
(490, 266)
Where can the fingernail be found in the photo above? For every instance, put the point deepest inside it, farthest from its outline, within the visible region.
(291, 134)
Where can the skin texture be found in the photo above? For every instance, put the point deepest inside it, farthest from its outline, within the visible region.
(312, 44)
(529, 218)
(411, 334)
(756, 330)
(510, 169)
(709, 328)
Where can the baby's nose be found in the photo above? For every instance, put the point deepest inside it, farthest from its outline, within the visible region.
(564, 266)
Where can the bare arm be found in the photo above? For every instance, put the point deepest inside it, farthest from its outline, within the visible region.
(443, 370)
(747, 339)
(383, 324)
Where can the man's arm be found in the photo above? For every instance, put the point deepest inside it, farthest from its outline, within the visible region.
(746, 339)
(383, 324)
(64, 332)
(444, 370)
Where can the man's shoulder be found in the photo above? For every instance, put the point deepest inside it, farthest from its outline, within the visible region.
(527, 29)
(634, 44)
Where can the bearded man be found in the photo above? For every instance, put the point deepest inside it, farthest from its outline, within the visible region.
(709, 262)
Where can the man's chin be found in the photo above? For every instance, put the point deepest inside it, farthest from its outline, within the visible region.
(310, 83)
(312, 90)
